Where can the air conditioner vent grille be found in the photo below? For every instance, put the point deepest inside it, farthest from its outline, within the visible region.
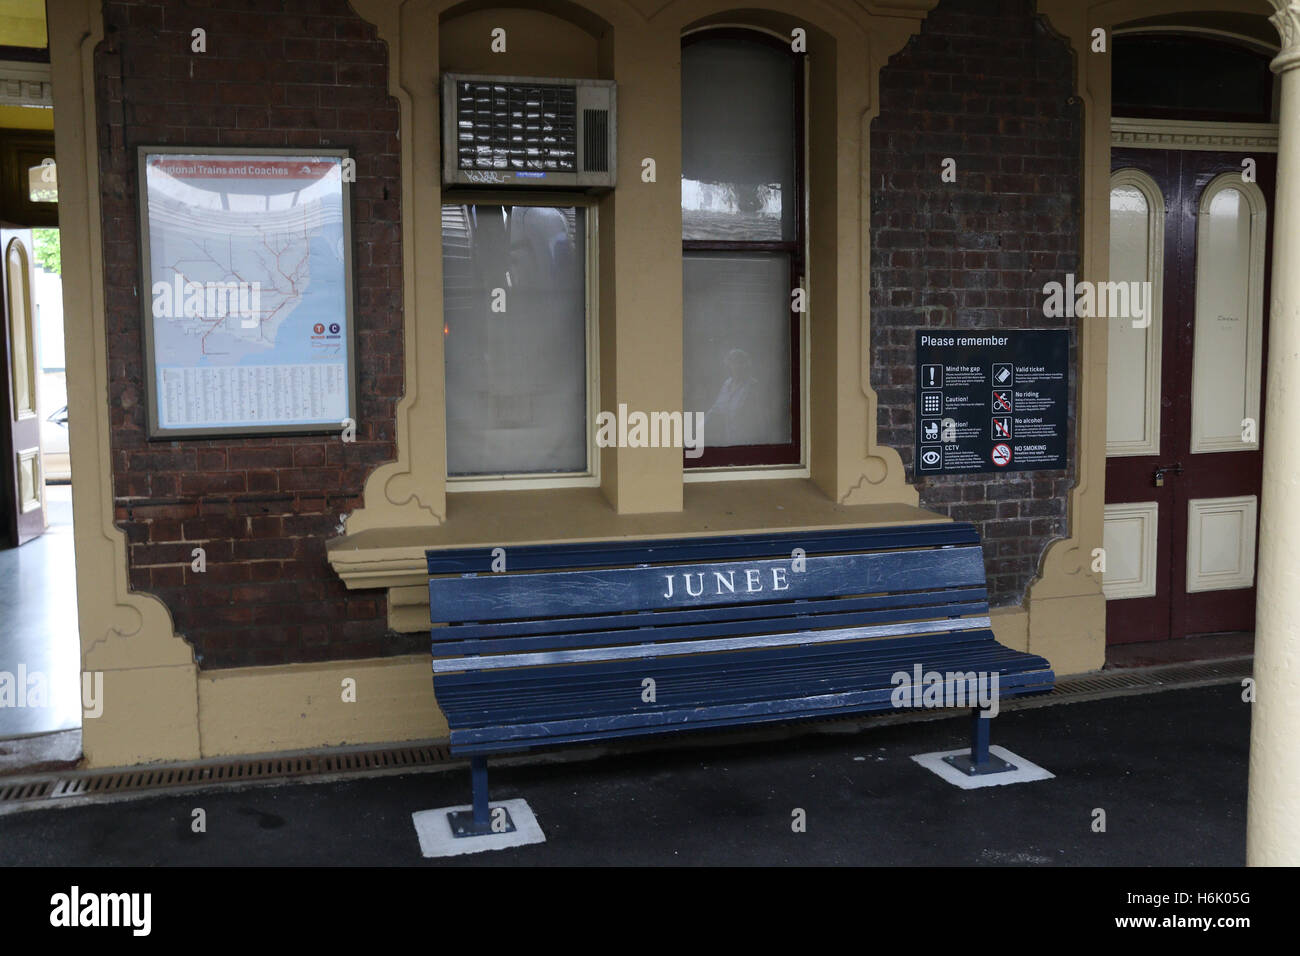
(595, 141)
(518, 127)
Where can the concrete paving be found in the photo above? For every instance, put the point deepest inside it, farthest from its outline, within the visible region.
(1168, 769)
(38, 625)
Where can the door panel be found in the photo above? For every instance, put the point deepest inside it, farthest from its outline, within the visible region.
(1210, 324)
(1131, 536)
(1221, 543)
(24, 484)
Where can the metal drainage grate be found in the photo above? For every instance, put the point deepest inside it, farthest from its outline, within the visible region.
(103, 783)
(1144, 679)
(25, 790)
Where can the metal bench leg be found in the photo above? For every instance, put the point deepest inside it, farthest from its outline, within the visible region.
(479, 821)
(479, 786)
(979, 741)
(979, 761)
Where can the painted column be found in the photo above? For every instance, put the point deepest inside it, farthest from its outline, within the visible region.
(1273, 808)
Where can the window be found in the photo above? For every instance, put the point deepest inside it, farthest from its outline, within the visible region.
(516, 340)
(742, 245)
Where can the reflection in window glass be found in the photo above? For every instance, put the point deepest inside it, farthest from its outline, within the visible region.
(514, 301)
(738, 142)
(43, 182)
(736, 358)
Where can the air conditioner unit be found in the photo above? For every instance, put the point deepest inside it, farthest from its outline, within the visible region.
(517, 131)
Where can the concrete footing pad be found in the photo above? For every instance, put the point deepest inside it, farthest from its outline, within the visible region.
(436, 838)
(1023, 773)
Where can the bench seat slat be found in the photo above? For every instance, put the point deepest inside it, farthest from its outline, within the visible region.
(721, 547)
(647, 651)
(480, 748)
(576, 626)
(722, 684)
(667, 634)
(518, 681)
(495, 597)
(585, 728)
(576, 682)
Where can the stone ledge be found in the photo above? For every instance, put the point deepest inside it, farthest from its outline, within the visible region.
(394, 557)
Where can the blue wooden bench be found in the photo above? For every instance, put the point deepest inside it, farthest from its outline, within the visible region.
(589, 641)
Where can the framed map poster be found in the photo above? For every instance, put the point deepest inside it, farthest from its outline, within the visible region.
(247, 291)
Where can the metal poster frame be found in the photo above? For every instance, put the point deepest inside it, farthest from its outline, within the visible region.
(147, 279)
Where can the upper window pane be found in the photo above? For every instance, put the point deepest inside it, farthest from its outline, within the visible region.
(738, 141)
(514, 302)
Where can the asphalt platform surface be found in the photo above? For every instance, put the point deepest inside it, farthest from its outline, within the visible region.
(1167, 769)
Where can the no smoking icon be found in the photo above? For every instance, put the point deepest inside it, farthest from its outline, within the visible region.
(1001, 454)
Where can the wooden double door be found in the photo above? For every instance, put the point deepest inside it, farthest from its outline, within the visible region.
(1185, 428)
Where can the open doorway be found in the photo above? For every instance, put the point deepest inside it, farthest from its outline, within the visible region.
(1190, 220)
(40, 653)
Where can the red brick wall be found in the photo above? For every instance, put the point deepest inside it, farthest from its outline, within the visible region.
(986, 84)
(291, 73)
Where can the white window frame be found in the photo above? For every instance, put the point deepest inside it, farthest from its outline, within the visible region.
(591, 236)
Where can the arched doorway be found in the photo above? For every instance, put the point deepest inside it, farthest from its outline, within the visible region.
(1193, 169)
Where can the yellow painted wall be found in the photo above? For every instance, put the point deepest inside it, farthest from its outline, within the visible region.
(22, 23)
(25, 117)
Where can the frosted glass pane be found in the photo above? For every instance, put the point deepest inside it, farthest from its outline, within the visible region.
(1128, 391)
(736, 348)
(516, 374)
(1222, 356)
(737, 142)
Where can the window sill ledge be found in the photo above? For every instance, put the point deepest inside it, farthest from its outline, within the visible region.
(394, 558)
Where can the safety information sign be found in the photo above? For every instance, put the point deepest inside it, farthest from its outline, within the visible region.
(992, 400)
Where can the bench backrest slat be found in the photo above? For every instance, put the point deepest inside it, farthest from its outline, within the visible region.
(498, 597)
(853, 614)
(591, 554)
(935, 602)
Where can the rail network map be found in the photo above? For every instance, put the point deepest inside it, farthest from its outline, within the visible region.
(248, 293)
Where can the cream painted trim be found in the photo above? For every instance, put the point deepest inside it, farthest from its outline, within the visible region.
(411, 491)
(1247, 508)
(1065, 604)
(1189, 134)
(1155, 200)
(457, 485)
(1207, 444)
(150, 691)
(1147, 513)
(775, 472)
(26, 84)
